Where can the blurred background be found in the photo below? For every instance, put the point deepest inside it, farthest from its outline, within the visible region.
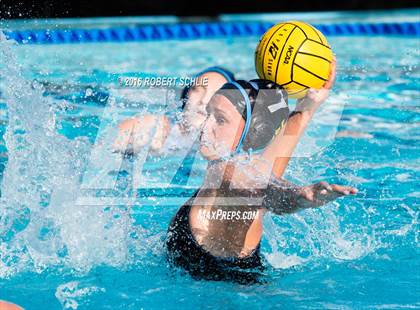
(211, 8)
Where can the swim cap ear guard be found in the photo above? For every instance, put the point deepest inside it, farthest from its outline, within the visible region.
(228, 75)
(264, 107)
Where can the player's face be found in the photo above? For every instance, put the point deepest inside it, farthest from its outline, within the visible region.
(199, 96)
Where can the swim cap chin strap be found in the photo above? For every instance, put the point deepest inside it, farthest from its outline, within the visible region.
(248, 109)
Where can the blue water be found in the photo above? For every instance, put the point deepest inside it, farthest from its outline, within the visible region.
(358, 252)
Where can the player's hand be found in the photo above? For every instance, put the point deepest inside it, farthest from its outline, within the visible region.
(138, 132)
(315, 97)
(321, 193)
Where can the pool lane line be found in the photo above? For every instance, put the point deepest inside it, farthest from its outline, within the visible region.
(194, 31)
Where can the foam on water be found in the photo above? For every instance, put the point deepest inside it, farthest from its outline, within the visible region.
(69, 293)
(42, 225)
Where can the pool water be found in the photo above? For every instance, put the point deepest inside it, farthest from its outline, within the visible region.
(358, 252)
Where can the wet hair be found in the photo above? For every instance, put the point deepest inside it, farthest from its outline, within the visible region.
(264, 107)
(228, 75)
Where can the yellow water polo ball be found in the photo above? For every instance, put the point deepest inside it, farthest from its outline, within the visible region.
(294, 55)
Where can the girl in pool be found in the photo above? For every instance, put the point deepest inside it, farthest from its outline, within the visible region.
(216, 234)
(134, 132)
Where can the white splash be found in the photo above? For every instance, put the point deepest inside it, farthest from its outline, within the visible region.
(72, 293)
(41, 223)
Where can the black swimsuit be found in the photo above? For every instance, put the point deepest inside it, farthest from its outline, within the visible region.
(184, 251)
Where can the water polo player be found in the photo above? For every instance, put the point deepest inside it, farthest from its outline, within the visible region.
(214, 237)
(136, 132)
